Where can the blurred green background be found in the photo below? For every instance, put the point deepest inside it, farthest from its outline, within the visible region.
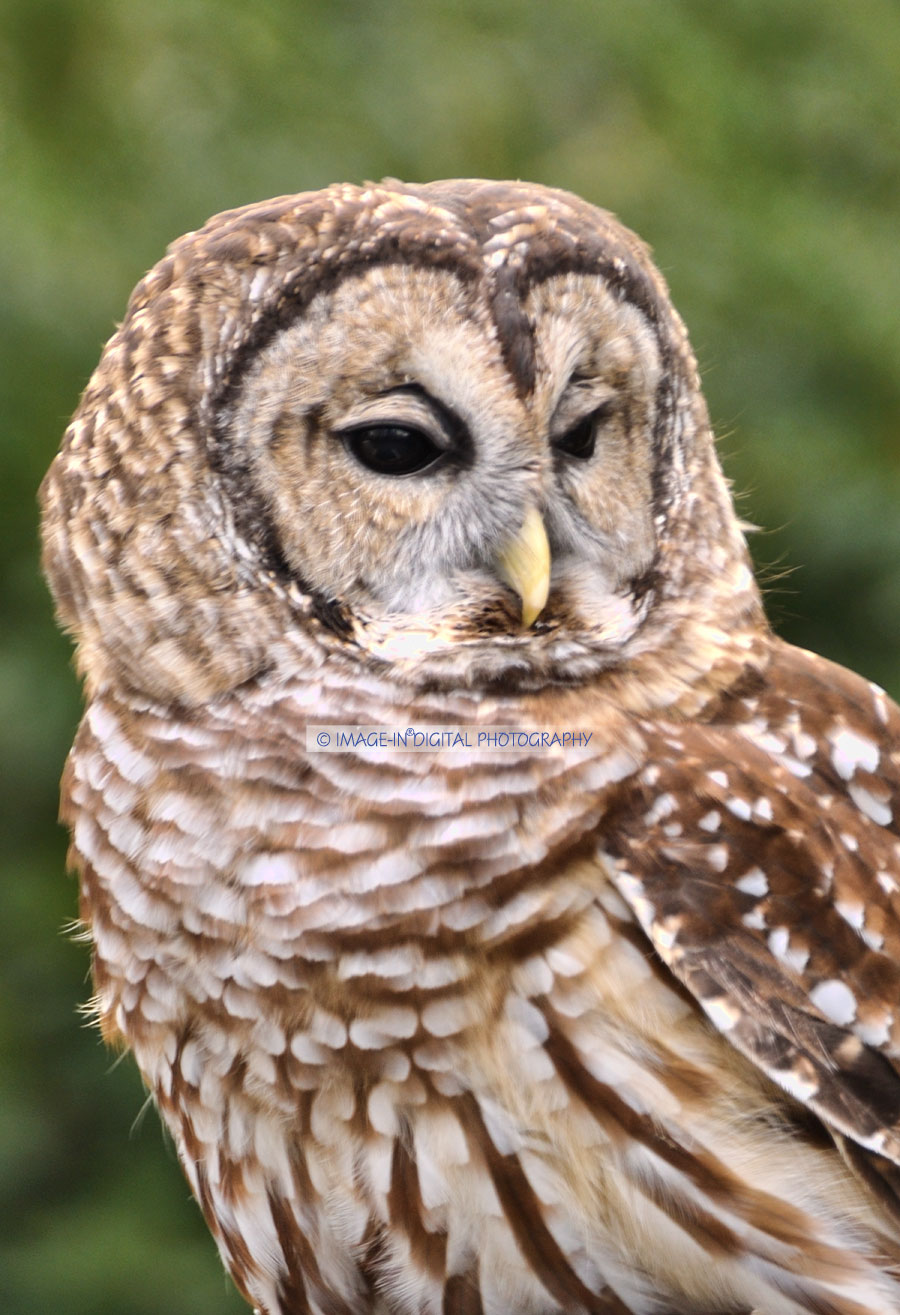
(754, 143)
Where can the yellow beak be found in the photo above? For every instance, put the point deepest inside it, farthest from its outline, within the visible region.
(524, 564)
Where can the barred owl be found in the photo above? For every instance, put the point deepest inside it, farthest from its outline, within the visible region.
(606, 1027)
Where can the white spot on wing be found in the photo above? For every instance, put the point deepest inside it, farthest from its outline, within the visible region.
(722, 1013)
(763, 809)
(874, 939)
(867, 803)
(795, 1084)
(753, 882)
(717, 857)
(804, 745)
(886, 882)
(879, 698)
(850, 750)
(835, 1000)
(873, 1034)
(779, 944)
(754, 920)
(855, 914)
(664, 806)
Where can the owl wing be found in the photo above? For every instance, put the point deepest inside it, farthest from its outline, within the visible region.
(760, 854)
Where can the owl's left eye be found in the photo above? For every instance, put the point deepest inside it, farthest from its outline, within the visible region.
(581, 440)
(392, 449)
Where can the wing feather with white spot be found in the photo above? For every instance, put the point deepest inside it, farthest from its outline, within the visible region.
(760, 854)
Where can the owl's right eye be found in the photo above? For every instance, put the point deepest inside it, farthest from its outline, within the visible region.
(392, 449)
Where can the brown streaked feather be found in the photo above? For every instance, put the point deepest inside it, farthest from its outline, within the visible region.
(523, 1212)
(461, 1296)
(405, 1208)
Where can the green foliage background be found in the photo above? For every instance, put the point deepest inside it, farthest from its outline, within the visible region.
(754, 143)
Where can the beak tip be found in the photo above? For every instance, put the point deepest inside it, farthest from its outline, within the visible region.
(524, 565)
(531, 610)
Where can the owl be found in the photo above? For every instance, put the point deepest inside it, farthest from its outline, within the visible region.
(589, 1007)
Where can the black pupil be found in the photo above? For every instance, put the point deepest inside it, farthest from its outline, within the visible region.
(392, 449)
(581, 440)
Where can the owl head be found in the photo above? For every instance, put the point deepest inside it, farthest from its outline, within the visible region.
(452, 429)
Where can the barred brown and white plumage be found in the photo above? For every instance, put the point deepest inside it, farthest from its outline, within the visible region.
(608, 1028)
